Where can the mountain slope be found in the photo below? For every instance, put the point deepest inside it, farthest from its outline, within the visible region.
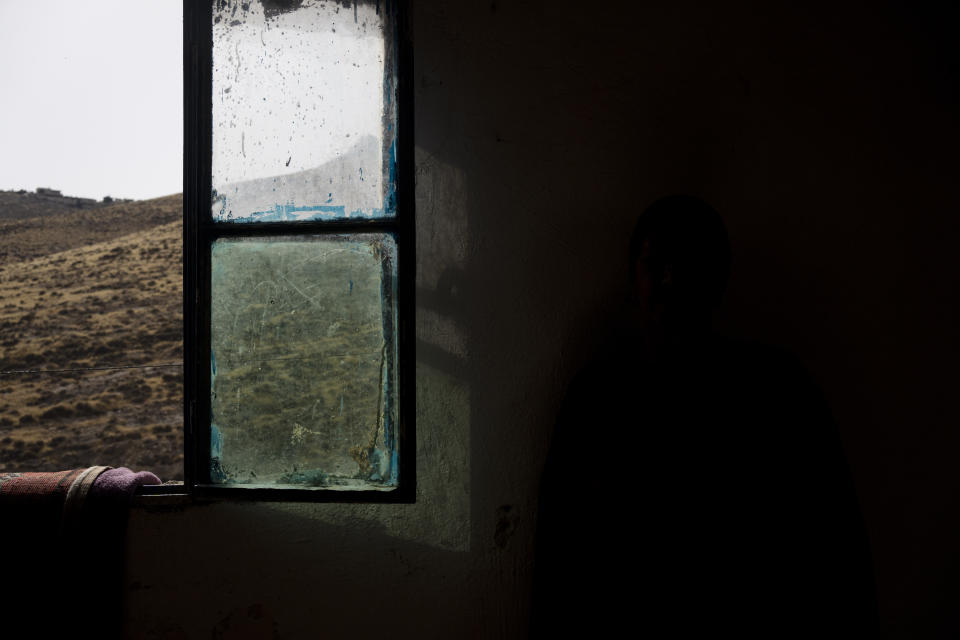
(49, 232)
(101, 313)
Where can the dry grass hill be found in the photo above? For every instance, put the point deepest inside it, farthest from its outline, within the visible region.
(18, 205)
(90, 336)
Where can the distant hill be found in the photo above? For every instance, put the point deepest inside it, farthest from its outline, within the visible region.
(353, 181)
(90, 324)
(17, 205)
(60, 229)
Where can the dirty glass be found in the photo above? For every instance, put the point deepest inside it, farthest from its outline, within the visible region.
(303, 111)
(303, 361)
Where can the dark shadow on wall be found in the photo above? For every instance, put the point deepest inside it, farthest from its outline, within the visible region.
(810, 127)
(276, 570)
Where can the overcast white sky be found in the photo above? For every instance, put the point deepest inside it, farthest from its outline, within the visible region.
(91, 97)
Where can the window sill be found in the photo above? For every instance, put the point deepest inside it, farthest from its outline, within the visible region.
(171, 494)
(176, 494)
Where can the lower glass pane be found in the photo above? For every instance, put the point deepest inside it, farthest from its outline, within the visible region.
(303, 361)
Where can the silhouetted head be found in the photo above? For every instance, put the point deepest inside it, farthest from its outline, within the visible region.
(679, 258)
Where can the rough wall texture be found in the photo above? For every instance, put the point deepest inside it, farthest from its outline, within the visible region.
(823, 135)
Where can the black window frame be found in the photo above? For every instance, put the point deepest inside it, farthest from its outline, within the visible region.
(199, 232)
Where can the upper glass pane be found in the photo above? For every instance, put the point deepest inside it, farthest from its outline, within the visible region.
(304, 110)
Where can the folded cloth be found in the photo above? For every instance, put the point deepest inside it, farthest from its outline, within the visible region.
(118, 485)
(54, 486)
(49, 488)
(65, 528)
(66, 492)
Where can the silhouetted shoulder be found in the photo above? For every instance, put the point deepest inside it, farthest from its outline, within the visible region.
(727, 464)
(759, 357)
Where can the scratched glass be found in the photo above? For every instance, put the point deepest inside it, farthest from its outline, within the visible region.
(304, 111)
(303, 362)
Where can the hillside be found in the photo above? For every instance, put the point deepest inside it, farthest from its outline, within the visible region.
(18, 205)
(352, 181)
(92, 289)
(61, 229)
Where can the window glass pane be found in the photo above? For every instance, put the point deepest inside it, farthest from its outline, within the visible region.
(303, 111)
(303, 361)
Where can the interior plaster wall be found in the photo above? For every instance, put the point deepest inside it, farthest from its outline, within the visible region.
(825, 136)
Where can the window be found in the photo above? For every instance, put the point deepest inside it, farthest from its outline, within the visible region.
(296, 245)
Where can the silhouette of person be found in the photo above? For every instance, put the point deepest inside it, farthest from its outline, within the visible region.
(695, 484)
